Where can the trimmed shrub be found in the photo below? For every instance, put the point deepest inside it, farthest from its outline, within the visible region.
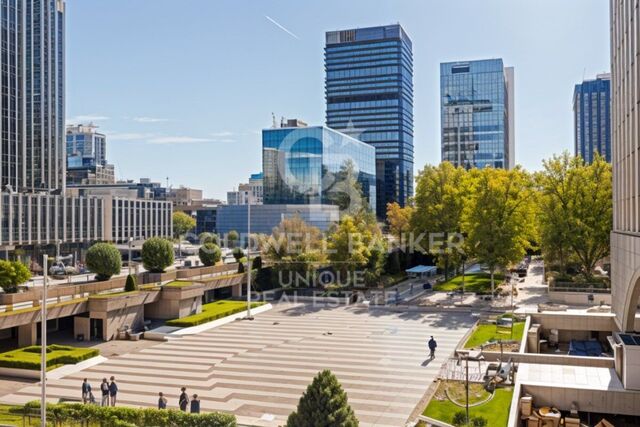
(29, 357)
(104, 260)
(157, 254)
(324, 400)
(460, 419)
(209, 254)
(479, 422)
(211, 315)
(120, 416)
(207, 237)
(232, 238)
(130, 285)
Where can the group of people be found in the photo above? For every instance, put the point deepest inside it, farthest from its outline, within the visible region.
(109, 390)
(183, 402)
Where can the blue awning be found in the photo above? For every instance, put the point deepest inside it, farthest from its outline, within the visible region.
(421, 269)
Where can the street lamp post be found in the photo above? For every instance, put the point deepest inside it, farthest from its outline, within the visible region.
(43, 345)
(467, 386)
(129, 259)
(249, 317)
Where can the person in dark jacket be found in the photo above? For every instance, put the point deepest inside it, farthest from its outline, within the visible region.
(432, 347)
(183, 400)
(195, 404)
(104, 388)
(113, 390)
(162, 401)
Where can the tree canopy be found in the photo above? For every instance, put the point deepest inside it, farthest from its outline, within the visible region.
(104, 260)
(182, 224)
(12, 274)
(157, 254)
(323, 404)
(576, 211)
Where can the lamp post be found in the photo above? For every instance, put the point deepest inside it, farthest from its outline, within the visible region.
(129, 259)
(43, 345)
(466, 386)
(249, 317)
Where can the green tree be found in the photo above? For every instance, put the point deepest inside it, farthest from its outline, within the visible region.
(498, 217)
(182, 224)
(345, 191)
(439, 203)
(104, 260)
(576, 210)
(130, 285)
(294, 248)
(207, 237)
(157, 254)
(209, 254)
(324, 404)
(12, 274)
(347, 246)
(232, 238)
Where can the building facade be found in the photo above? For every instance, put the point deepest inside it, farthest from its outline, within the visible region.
(265, 217)
(477, 114)
(247, 193)
(307, 165)
(369, 96)
(87, 156)
(592, 118)
(625, 160)
(184, 196)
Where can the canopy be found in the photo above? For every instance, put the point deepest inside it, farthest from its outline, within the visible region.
(421, 269)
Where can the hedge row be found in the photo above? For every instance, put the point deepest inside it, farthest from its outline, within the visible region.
(57, 355)
(120, 416)
(208, 316)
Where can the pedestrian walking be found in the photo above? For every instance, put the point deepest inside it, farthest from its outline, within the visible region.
(195, 404)
(113, 390)
(432, 347)
(162, 401)
(86, 391)
(104, 388)
(183, 400)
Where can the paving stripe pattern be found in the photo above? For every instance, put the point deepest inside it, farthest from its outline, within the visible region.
(259, 369)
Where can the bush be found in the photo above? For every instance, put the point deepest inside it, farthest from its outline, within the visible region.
(209, 254)
(29, 357)
(324, 400)
(130, 285)
(238, 254)
(215, 313)
(479, 422)
(207, 237)
(157, 254)
(104, 260)
(232, 238)
(460, 419)
(119, 416)
(256, 263)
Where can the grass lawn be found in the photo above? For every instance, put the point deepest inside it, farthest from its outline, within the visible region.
(496, 411)
(473, 282)
(57, 355)
(486, 333)
(179, 284)
(213, 311)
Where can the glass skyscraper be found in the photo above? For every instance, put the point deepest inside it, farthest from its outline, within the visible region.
(369, 95)
(477, 114)
(592, 118)
(305, 165)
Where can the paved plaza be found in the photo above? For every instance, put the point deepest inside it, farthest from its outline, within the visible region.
(258, 369)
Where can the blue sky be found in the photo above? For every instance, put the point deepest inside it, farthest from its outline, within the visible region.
(182, 89)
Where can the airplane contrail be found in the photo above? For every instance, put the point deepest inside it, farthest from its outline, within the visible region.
(277, 24)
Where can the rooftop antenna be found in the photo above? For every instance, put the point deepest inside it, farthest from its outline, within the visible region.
(273, 121)
(167, 182)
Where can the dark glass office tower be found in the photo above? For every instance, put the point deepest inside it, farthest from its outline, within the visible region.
(32, 154)
(592, 118)
(369, 94)
(477, 114)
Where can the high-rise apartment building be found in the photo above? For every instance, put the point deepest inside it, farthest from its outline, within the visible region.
(369, 96)
(625, 160)
(477, 114)
(87, 156)
(592, 118)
